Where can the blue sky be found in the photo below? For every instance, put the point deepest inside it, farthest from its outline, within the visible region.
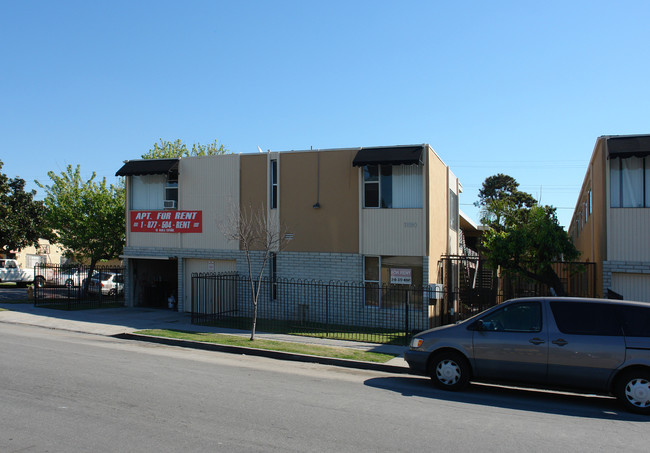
(517, 87)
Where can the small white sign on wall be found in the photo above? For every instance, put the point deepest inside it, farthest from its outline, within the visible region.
(210, 266)
(400, 276)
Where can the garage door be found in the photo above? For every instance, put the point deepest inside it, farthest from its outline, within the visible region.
(632, 286)
(202, 266)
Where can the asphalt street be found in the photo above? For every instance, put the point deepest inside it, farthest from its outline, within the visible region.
(11, 292)
(72, 392)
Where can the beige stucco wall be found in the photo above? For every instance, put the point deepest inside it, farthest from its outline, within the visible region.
(48, 253)
(437, 209)
(600, 208)
(326, 177)
(591, 241)
(254, 182)
(454, 235)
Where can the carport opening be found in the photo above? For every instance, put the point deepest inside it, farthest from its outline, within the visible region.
(155, 282)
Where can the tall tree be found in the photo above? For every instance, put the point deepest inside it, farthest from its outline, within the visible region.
(500, 195)
(22, 219)
(523, 237)
(168, 150)
(88, 216)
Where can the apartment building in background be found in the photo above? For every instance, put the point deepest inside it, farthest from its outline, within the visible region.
(611, 221)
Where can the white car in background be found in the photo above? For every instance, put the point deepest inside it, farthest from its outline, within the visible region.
(108, 283)
(71, 278)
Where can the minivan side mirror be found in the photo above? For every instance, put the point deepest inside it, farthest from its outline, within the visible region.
(477, 325)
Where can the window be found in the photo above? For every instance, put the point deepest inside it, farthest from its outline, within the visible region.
(523, 317)
(148, 192)
(273, 273)
(636, 321)
(171, 190)
(453, 210)
(274, 184)
(379, 292)
(630, 182)
(386, 186)
(377, 186)
(580, 223)
(580, 318)
(371, 280)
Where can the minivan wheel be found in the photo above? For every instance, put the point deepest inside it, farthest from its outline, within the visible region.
(633, 391)
(449, 371)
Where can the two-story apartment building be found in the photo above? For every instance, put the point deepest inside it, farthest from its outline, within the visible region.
(611, 221)
(350, 214)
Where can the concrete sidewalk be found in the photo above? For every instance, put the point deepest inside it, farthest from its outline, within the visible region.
(123, 322)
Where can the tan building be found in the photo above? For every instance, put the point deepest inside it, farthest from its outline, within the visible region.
(45, 253)
(611, 221)
(351, 215)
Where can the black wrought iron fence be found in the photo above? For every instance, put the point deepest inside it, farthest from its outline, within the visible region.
(340, 310)
(74, 287)
(471, 286)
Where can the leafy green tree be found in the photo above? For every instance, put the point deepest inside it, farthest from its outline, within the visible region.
(168, 150)
(500, 195)
(523, 237)
(22, 219)
(88, 216)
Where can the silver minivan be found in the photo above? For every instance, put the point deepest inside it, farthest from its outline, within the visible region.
(593, 345)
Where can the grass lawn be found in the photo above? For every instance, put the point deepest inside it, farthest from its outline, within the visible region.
(271, 345)
(313, 329)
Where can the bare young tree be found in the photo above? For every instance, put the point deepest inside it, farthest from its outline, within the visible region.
(256, 234)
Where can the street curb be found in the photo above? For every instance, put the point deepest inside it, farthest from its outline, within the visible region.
(346, 363)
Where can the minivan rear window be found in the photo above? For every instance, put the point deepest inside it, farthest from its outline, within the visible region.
(636, 321)
(586, 318)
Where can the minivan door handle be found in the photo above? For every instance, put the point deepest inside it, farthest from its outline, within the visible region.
(560, 342)
(536, 341)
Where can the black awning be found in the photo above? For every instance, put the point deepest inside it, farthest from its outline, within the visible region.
(398, 155)
(638, 146)
(148, 167)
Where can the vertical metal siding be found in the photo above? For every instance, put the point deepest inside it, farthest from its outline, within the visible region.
(202, 266)
(393, 232)
(629, 234)
(632, 286)
(210, 184)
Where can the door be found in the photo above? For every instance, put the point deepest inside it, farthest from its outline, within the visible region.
(586, 344)
(511, 344)
(203, 266)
